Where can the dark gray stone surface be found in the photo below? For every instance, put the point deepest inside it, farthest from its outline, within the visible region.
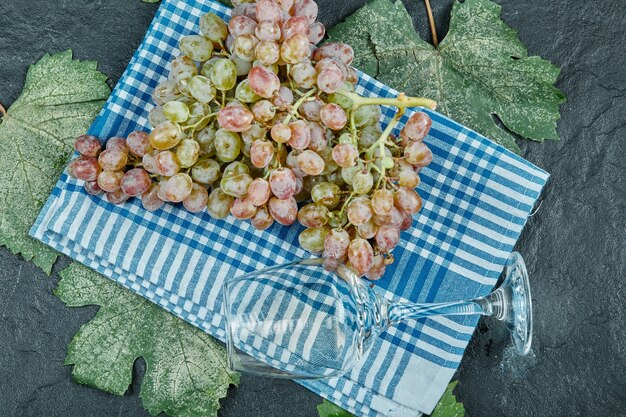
(574, 245)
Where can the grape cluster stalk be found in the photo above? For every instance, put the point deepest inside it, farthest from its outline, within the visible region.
(257, 122)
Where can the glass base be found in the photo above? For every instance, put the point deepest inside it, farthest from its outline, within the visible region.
(513, 304)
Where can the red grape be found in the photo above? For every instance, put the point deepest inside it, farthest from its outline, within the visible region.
(283, 183)
(259, 192)
(235, 118)
(85, 168)
(135, 182)
(311, 163)
(88, 145)
(360, 255)
(284, 212)
(263, 82)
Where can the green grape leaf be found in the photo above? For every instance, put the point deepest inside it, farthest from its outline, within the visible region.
(447, 405)
(187, 371)
(328, 409)
(59, 101)
(480, 69)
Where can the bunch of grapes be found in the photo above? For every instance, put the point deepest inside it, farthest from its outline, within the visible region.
(255, 121)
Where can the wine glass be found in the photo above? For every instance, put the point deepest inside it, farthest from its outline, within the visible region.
(302, 321)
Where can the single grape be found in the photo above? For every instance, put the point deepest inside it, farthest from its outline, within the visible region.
(267, 31)
(243, 209)
(382, 202)
(283, 183)
(167, 163)
(188, 152)
(360, 255)
(407, 200)
(317, 31)
(92, 188)
(244, 47)
(336, 244)
(110, 181)
(263, 82)
(303, 74)
(176, 111)
(236, 184)
(359, 211)
(156, 116)
(206, 171)
(387, 238)
(319, 141)
(378, 268)
(181, 68)
(178, 187)
(407, 221)
(333, 116)
(307, 9)
(197, 200)
(117, 197)
(166, 91)
(196, 47)
(117, 143)
(236, 167)
(112, 160)
(139, 143)
(408, 178)
(326, 193)
(85, 168)
(263, 111)
(227, 145)
(241, 25)
(135, 182)
(367, 115)
(368, 136)
(219, 203)
(311, 163)
(283, 99)
(312, 239)
(347, 174)
(150, 199)
(300, 135)
(242, 68)
(149, 162)
(295, 48)
(261, 153)
(362, 182)
(281, 133)
(311, 109)
(235, 118)
(213, 28)
(330, 76)
(284, 211)
(262, 220)
(294, 25)
(202, 89)
(337, 50)
(368, 229)
(313, 215)
(268, 10)
(417, 127)
(165, 136)
(345, 155)
(330, 164)
(206, 140)
(259, 192)
(223, 74)
(292, 162)
(418, 154)
(88, 145)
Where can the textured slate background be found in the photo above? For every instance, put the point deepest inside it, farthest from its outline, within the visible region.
(574, 245)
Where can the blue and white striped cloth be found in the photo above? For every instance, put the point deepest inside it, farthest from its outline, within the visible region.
(477, 197)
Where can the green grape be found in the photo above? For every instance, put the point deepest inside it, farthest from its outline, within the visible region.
(206, 171)
(196, 47)
(206, 140)
(165, 136)
(243, 67)
(312, 239)
(362, 182)
(245, 94)
(236, 167)
(213, 28)
(182, 68)
(369, 135)
(236, 184)
(219, 204)
(176, 111)
(367, 115)
(227, 145)
(188, 152)
(340, 99)
(337, 219)
(156, 116)
(348, 173)
(201, 88)
(223, 74)
(326, 193)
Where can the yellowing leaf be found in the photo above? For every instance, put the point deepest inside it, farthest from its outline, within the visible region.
(60, 99)
(187, 371)
(481, 68)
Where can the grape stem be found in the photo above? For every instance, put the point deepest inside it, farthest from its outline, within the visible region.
(401, 102)
(380, 144)
(296, 106)
(193, 126)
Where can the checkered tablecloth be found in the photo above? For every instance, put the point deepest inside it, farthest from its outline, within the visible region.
(477, 197)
